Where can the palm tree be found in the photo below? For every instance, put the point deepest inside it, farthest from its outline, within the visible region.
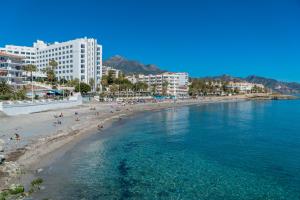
(31, 68)
(154, 89)
(165, 88)
(50, 71)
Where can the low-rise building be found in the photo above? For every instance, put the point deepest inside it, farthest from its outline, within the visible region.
(244, 87)
(11, 69)
(133, 79)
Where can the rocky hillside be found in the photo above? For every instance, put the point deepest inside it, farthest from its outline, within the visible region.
(131, 66)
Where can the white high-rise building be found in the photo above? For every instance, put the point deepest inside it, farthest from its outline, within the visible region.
(80, 58)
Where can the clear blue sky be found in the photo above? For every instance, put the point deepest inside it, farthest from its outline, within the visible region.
(203, 37)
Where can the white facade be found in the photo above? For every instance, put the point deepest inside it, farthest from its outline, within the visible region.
(80, 58)
(244, 86)
(115, 72)
(28, 53)
(177, 83)
(11, 69)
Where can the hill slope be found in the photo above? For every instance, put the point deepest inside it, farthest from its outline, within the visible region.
(131, 66)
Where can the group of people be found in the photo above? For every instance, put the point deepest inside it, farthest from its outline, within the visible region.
(59, 122)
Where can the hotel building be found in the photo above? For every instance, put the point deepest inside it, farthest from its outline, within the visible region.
(11, 69)
(177, 83)
(77, 59)
(244, 87)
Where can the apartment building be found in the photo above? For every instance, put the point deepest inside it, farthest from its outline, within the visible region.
(77, 59)
(11, 69)
(115, 72)
(176, 83)
(244, 87)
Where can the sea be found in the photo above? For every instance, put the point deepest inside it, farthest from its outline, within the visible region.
(247, 150)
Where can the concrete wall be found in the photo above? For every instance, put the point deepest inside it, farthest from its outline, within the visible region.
(38, 106)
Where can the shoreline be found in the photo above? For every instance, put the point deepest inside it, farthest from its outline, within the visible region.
(31, 158)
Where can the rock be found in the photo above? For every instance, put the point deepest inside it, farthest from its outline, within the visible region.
(2, 158)
(39, 170)
(2, 145)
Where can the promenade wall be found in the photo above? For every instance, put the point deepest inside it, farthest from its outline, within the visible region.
(27, 107)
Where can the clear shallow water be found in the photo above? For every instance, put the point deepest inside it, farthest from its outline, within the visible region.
(241, 150)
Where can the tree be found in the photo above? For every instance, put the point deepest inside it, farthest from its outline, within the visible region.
(31, 68)
(50, 71)
(154, 89)
(83, 88)
(92, 82)
(21, 94)
(73, 83)
(63, 81)
(104, 81)
(110, 77)
(236, 90)
(165, 88)
(140, 86)
(113, 89)
(5, 91)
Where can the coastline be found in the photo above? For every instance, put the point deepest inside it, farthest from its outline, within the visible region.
(32, 157)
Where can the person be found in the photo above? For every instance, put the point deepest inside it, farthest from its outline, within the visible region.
(61, 114)
(76, 113)
(17, 136)
(77, 119)
(100, 126)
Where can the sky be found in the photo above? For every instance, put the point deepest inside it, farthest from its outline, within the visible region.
(201, 37)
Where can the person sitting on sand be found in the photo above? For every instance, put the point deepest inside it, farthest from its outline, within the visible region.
(77, 119)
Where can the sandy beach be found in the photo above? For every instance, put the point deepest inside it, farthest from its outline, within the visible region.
(43, 134)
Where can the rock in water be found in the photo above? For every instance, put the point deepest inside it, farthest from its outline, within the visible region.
(2, 158)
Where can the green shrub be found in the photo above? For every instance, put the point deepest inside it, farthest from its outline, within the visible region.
(36, 182)
(3, 195)
(16, 189)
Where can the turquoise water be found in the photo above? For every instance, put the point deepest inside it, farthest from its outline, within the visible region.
(238, 150)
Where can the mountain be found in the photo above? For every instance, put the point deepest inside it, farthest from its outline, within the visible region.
(275, 85)
(131, 66)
